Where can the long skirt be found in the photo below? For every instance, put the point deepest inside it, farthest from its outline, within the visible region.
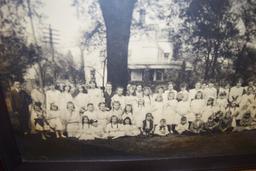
(72, 129)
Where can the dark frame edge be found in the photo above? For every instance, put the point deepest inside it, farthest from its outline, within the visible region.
(10, 154)
(12, 159)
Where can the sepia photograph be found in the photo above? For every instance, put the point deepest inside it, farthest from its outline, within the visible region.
(130, 79)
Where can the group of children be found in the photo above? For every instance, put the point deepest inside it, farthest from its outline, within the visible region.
(91, 113)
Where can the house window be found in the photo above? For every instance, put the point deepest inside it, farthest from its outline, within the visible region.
(136, 75)
(159, 75)
(166, 55)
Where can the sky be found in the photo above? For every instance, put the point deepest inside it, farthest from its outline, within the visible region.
(62, 17)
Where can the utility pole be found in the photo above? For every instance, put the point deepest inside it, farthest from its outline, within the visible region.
(50, 38)
(40, 77)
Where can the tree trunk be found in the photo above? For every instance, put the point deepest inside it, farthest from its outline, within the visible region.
(117, 15)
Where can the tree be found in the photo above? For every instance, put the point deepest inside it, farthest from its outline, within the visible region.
(117, 17)
(246, 62)
(15, 52)
(210, 29)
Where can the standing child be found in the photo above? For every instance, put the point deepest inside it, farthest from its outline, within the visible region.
(208, 110)
(128, 113)
(170, 108)
(196, 106)
(147, 128)
(116, 110)
(119, 97)
(102, 114)
(210, 91)
(129, 128)
(162, 128)
(148, 98)
(236, 93)
(114, 129)
(183, 106)
(91, 113)
(158, 107)
(72, 120)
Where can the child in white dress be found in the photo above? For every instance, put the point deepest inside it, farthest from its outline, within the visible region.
(119, 97)
(128, 113)
(158, 107)
(183, 107)
(114, 129)
(170, 109)
(196, 106)
(72, 120)
(183, 126)
(116, 110)
(236, 93)
(170, 90)
(91, 113)
(54, 119)
(192, 92)
(102, 114)
(208, 110)
(85, 131)
(162, 128)
(147, 97)
(128, 128)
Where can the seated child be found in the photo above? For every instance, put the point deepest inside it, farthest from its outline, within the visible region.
(55, 121)
(38, 115)
(162, 128)
(183, 126)
(85, 132)
(128, 128)
(197, 125)
(97, 130)
(114, 129)
(225, 124)
(147, 128)
(246, 123)
(211, 125)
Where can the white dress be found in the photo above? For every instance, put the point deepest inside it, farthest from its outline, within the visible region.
(64, 98)
(158, 111)
(182, 109)
(210, 93)
(169, 111)
(52, 96)
(130, 130)
(221, 104)
(120, 99)
(161, 130)
(72, 123)
(91, 115)
(114, 130)
(207, 112)
(180, 128)
(81, 100)
(86, 132)
(102, 117)
(54, 119)
(236, 94)
(196, 106)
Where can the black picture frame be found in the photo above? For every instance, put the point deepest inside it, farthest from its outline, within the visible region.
(11, 157)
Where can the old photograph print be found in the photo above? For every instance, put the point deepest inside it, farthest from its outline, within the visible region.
(129, 79)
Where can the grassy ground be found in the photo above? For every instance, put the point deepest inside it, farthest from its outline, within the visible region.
(173, 146)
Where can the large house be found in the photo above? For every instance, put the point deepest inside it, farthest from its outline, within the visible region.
(150, 57)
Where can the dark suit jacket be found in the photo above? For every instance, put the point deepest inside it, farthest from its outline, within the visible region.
(20, 101)
(108, 99)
